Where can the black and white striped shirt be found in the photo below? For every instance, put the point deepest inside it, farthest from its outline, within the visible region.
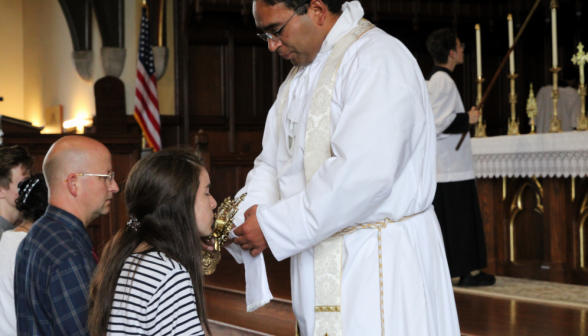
(154, 296)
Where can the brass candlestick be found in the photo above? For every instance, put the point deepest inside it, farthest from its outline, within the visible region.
(555, 125)
(480, 127)
(532, 108)
(580, 59)
(220, 232)
(513, 125)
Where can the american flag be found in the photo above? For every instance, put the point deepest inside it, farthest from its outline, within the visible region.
(146, 104)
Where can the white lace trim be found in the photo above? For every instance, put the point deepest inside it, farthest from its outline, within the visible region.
(540, 155)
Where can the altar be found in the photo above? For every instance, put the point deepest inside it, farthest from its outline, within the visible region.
(533, 195)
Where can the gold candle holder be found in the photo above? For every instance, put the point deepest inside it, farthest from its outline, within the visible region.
(532, 109)
(513, 125)
(555, 124)
(480, 126)
(580, 59)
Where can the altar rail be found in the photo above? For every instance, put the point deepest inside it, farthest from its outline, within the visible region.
(533, 192)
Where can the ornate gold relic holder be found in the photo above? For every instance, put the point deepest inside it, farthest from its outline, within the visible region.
(580, 59)
(220, 232)
(555, 125)
(513, 124)
(532, 109)
(480, 126)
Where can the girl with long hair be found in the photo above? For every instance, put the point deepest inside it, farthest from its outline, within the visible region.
(149, 280)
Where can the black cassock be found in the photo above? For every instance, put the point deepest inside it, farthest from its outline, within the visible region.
(457, 207)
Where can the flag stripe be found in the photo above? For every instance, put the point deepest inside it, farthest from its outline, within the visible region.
(146, 104)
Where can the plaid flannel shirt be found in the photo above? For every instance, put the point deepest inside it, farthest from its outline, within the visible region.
(54, 265)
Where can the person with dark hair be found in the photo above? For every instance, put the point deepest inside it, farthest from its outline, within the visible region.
(15, 166)
(568, 104)
(32, 203)
(149, 281)
(55, 261)
(345, 181)
(456, 198)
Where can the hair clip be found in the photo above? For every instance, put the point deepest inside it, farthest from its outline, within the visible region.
(27, 190)
(133, 223)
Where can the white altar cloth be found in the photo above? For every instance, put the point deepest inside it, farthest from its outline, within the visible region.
(540, 155)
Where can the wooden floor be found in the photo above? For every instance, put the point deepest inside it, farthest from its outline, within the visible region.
(478, 315)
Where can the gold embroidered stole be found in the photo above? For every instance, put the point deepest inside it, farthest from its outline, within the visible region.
(317, 149)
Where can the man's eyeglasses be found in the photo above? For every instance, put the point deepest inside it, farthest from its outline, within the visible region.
(110, 176)
(275, 35)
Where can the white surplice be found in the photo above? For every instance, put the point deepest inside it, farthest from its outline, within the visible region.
(383, 166)
(452, 165)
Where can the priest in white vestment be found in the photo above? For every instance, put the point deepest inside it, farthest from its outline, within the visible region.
(372, 188)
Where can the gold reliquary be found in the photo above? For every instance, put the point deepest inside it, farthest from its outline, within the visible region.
(223, 221)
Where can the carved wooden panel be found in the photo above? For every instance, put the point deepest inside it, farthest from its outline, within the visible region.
(207, 80)
(541, 231)
(525, 218)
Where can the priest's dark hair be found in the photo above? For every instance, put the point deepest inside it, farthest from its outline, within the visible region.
(160, 193)
(32, 198)
(11, 157)
(440, 43)
(334, 6)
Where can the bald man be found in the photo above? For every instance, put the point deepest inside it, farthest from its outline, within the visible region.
(55, 262)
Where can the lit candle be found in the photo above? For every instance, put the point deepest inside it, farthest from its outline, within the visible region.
(478, 51)
(554, 35)
(510, 42)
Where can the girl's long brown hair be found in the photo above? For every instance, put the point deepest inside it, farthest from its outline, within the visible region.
(160, 192)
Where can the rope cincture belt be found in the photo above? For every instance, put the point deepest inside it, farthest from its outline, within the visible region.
(378, 226)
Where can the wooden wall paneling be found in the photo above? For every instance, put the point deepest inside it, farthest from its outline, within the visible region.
(557, 217)
(206, 70)
(245, 89)
(183, 12)
(230, 57)
(263, 76)
(491, 209)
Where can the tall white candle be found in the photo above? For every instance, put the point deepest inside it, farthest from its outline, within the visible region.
(478, 51)
(510, 42)
(554, 36)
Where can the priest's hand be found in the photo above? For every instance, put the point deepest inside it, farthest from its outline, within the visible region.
(250, 237)
(474, 114)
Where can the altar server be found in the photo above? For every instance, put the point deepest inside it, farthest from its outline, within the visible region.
(456, 198)
(345, 181)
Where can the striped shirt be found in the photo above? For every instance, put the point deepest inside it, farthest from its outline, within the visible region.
(154, 296)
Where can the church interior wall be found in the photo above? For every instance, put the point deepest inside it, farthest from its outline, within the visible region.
(11, 58)
(38, 71)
